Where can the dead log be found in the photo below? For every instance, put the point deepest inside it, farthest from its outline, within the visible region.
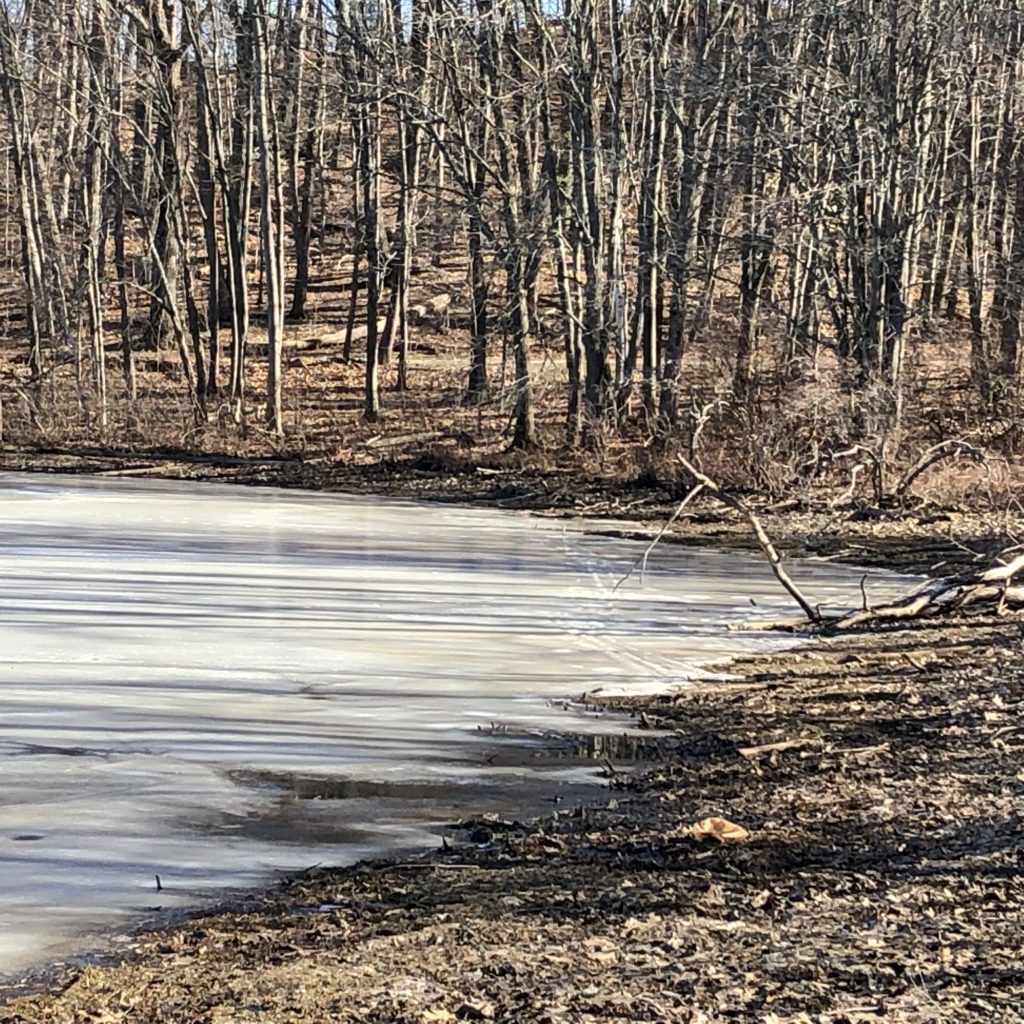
(994, 586)
(1004, 573)
(907, 609)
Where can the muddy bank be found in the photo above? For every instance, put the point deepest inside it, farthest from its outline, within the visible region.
(881, 778)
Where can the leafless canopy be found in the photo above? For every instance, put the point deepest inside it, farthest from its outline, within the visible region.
(826, 178)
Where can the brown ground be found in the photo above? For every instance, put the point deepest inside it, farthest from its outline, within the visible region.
(882, 879)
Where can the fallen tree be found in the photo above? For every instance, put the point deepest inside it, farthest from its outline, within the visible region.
(995, 589)
(763, 540)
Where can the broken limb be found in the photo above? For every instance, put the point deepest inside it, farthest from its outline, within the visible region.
(937, 453)
(642, 560)
(763, 540)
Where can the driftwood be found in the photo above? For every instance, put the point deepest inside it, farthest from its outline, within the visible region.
(994, 586)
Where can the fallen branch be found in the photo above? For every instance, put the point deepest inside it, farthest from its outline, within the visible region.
(1004, 573)
(937, 453)
(772, 748)
(763, 540)
(906, 609)
(952, 449)
(767, 626)
(995, 586)
(642, 560)
(1000, 594)
(399, 440)
(877, 471)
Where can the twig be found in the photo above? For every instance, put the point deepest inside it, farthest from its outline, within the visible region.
(864, 594)
(878, 748)
(642, 560)
(771, 748)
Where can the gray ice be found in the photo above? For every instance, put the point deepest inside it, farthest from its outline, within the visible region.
(162, 642)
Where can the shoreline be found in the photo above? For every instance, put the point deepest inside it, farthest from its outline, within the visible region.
(922, 539)
(841, 903)
(738, 743)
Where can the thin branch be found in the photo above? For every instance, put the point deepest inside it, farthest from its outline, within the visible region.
(642, 560)
(763, 540)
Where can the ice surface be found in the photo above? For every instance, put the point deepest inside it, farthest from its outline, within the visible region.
(160, 642)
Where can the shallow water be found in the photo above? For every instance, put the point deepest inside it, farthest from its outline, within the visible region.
(178, 661)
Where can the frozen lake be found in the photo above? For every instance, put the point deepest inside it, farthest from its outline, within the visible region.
(169, 650)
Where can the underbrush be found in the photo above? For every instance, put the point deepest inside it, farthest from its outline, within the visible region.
(816, 435)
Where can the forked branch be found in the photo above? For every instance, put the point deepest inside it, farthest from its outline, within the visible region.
(937, 453)
(763, 540)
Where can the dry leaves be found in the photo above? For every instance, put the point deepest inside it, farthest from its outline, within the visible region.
(823, 913)
(721, 829)
(602, 951)
(437, 1015)
(475, 1010)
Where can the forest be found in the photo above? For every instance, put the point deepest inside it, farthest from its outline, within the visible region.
(760, 262)
(783, 237)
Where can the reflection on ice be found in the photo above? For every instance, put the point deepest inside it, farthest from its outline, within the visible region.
(158, 639)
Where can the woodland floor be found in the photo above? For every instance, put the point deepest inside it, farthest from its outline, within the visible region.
(883, 878)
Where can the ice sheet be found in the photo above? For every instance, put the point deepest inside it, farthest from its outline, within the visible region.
(158, 639)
